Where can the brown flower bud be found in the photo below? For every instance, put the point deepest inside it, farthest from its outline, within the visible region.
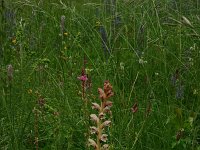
(108, 89)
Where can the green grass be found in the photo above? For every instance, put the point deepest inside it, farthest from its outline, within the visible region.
(47, 64)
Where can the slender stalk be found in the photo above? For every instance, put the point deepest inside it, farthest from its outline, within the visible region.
(36, 128)
(99, 136)
(99, 127)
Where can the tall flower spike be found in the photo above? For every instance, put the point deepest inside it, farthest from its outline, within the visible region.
(101, 119)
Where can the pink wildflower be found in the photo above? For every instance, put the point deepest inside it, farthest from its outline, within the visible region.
(83, 78)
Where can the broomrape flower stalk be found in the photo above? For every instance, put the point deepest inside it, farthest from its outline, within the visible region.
(100, 120)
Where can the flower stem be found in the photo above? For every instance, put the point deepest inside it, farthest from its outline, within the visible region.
(99, 129)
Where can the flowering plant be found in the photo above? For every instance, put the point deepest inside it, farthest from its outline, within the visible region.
(100, 120)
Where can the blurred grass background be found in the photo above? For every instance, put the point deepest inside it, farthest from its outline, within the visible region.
(149, 50)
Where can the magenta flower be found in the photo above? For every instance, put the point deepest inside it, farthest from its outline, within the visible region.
(83, 78)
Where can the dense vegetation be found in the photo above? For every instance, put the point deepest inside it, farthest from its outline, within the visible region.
(148, 50)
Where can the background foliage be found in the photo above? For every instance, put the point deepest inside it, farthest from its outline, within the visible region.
(149, 50)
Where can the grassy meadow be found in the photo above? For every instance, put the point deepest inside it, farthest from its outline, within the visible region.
(55, 54)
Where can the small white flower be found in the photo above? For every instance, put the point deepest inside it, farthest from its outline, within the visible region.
(95, 106)
(106, 123)
(104, 137)
(93, 130)
(101, 116)
(91, 142)
(105, 147)
(94, 118)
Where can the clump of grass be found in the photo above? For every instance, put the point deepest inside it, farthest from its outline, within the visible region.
(100, 120)
(151, 40)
